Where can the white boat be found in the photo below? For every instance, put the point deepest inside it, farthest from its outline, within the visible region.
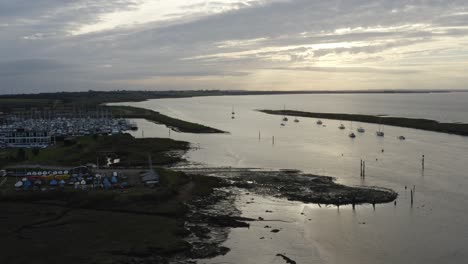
(361, 130)
(380, 132)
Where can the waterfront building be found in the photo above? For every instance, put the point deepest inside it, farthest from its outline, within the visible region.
(24, 138)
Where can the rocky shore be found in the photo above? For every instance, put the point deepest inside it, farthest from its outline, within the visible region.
(298, 186)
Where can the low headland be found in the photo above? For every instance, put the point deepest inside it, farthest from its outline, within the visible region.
(416, 123)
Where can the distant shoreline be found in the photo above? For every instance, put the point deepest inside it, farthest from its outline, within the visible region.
(415, 123)
(198, 93)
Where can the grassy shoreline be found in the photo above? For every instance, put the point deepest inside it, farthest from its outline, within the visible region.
(416, 123)
(173, 123)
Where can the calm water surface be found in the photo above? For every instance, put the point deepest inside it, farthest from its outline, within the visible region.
(434, 230)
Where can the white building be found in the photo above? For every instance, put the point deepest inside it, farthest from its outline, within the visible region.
(23, 138)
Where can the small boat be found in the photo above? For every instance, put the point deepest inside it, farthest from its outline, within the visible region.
(380, 132)
(283, 124)
(296, 120)
(319, 122)
(352, 135)
(341, 127)
(233, 113)
(361, 130)
(285, 118)
(401, 138)
(233, 117)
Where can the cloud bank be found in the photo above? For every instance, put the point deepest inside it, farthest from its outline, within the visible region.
(56, 45)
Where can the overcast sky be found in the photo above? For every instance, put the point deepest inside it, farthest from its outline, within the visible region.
(68, 45)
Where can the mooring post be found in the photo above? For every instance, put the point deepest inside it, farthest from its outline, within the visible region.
(259, 136)
(422, 162)
(411, 197)
(364, 169)
(361, 168)
(273, 140)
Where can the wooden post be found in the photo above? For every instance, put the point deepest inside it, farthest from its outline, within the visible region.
(412, 200)
(361, 168)
(259, 136)
(273, 140)
(422, 162)
(364, 169)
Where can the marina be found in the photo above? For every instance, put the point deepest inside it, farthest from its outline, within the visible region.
(38, 131)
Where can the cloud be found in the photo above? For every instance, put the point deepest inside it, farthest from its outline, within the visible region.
(231, 44)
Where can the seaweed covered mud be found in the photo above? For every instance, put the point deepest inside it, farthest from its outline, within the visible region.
(297, 186)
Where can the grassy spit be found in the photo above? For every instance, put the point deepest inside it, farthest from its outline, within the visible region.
(417, 123)
(173, 123)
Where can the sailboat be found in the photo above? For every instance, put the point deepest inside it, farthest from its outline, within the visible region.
(352, 135)
(285, 118)
(151, 177)
(380, 133)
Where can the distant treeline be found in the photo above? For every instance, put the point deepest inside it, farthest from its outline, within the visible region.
(91, 97)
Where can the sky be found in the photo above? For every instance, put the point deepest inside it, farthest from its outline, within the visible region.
(79, 45)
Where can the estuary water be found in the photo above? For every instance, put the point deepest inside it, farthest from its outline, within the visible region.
(433, 230)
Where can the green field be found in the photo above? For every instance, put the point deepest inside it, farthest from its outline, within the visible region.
(132, 152)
